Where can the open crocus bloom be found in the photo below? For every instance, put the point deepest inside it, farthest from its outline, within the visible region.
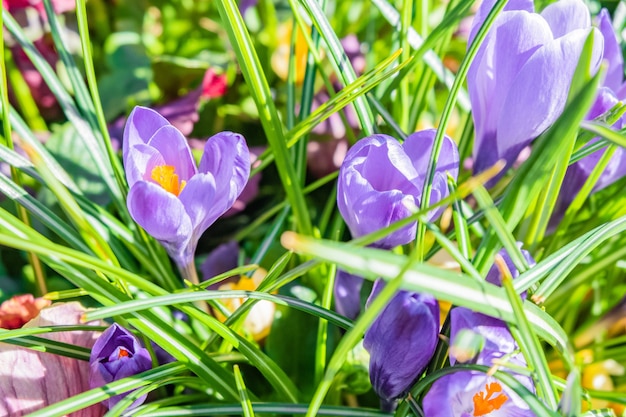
(520, 78)
(473, 394)
(117, 354)
(171, 198)
(31, 380)
(381, 182)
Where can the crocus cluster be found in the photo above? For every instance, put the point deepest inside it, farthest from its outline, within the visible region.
(171, 198)
(117, 354)
(515, 90)
(471, 393)
(381, 182)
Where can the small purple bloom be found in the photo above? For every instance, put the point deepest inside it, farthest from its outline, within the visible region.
(401, 341)
(514, 86)
(347, 293)
(473, 394)
(171, 198)
(494, 276)
(117, 354)
(381, 182)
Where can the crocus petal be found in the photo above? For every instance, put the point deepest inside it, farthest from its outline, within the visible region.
(347, 294)
(566, 16)
(494, 276)
(140, 126)
(173, 146)
(612, 52)
(487, 5)
(453, 395)
(140, 162)
(221, 259)
(199, 199)
(401, 341)
(30, 380)
(227, 158)
(513, 40)
(163, 216)
(527, 112)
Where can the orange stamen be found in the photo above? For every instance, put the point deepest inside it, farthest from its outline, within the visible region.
(484, 404)
(122, 353)
(164, 176)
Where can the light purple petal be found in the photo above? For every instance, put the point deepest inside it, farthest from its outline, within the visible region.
(199, 200)
(140, 126)
(227, 158)
(140, 162)
(173, 146)
(566, 16)
(453, 395)
(163, 216)
(612, 52)
(487, 5)
(511, 43)
(538, 94)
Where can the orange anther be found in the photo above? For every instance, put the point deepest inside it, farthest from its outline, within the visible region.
(484, 404)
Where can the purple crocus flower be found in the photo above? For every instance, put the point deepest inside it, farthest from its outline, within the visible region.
(520, 78)
(347, 293)
(401, 341)
(117, 354)
(381, 182)
(611, 92)
(171, 198)
(473, 394)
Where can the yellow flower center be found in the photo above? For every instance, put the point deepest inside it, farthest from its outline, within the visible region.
(484, 404)
(164, 176)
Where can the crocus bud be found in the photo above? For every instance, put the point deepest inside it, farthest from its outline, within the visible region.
(401, 341)
(381, 182)
(117, 354)
(514, 89)
(171, 198)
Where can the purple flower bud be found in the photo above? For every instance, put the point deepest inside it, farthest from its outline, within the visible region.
(347, 293)
(515, 91)
(494, 276)
(117, 354)
(401, 341)
(470, 394)
(381, 182)
(171, 198)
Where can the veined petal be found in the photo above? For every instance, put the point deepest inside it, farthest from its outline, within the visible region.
(199, 200)
(163, 216)
(140, 161)
(140, 126)
(510, 44)
(175, 151)
(227, 158)
(527, 112)
(487, 5)
(566, 16)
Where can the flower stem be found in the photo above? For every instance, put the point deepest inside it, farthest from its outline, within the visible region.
(189, 273)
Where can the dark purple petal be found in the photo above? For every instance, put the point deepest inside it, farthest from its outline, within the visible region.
(453, 395)
(347, 294)
(227, 158)
(199, 200)
(173, 146)
(566, 16)
(401, 341)
(612, 52)
(221, 259)
(494, 276)
(163, 216)
(140, 126)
